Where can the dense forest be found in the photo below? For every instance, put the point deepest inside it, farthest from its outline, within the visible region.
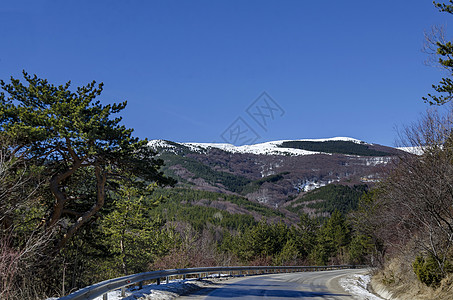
(231, 182)
(343, 147)
(329, 198)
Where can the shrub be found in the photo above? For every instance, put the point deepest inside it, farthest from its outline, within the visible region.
(427, 270)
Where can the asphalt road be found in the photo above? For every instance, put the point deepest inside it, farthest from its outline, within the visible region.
(303, 285)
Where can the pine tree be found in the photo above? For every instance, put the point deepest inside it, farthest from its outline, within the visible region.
(134, 238)
(445, 60)
(85, 151)
(333, 238)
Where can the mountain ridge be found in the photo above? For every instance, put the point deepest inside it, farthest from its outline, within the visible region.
(271, 147)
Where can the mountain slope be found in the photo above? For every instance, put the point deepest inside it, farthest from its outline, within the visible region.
(276, 172)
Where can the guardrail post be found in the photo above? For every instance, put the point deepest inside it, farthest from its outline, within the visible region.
(123, 291)
(140, 285)
(158, 281)
(167, 279)
(105, 296)
(184, 277)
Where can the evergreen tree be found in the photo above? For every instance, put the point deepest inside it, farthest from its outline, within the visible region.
(289, 254)
(305, 235)
(134, 238)
(77, 140)
(333, 238)
(445, 60)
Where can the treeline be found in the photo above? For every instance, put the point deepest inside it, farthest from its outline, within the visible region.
(341, 147)
(307, 243)
(316, 241)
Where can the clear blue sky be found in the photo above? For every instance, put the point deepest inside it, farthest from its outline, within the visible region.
(189, 69)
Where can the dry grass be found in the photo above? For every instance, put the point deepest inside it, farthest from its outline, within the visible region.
(398, 281)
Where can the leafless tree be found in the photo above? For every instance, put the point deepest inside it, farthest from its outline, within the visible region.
(432, 39)
(417, 196)
(13, 185)
(20, 250)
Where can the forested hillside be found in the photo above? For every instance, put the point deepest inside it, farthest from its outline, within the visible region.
(327, 199)
(201, 209)
(268, 177)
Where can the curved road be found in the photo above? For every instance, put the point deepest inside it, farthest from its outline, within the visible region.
(302, 285)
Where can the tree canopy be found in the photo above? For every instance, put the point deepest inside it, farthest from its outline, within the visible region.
(85, 151)
(444, 52)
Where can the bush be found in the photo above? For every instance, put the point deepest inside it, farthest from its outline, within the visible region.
(427, 270)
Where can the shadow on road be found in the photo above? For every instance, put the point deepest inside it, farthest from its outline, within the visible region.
(232, 292)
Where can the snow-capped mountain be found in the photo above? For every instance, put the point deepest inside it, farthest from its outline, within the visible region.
(274, 172)
(267, 148)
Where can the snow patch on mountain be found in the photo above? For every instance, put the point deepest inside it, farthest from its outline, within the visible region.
(309, 185)
(374, 161)
(267, 148)
(160, 144)
(270, 148)
(413, 150)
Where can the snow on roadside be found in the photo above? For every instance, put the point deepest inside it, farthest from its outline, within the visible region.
(172, 290)
(155, 292)
(357, 286)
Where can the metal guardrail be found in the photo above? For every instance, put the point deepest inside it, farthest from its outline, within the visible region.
(101, 288)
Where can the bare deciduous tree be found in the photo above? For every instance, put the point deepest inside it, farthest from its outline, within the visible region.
(417, 196)
(20, 251)
(432, 38)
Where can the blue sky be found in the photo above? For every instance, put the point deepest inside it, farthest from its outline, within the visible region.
(190, 69)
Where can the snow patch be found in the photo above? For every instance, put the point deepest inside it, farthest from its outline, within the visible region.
(309, 185)
(269, 148)
(380, 160)
(357, 285)
(165, 291)
(155, 292)
(160, 144)
(412, 150)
